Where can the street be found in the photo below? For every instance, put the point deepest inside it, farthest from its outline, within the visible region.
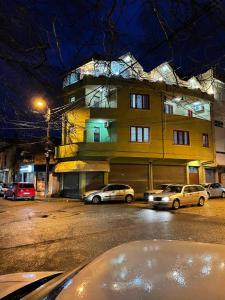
(39, 236)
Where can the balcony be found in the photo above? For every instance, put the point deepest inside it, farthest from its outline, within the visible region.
(66, 151)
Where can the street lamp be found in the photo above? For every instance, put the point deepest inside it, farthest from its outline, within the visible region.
(41, 105)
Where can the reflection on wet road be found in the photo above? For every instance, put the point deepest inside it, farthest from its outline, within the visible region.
(60, 236)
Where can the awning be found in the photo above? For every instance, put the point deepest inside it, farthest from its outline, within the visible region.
(82, 166)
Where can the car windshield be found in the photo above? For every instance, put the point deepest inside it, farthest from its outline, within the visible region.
(173, 189)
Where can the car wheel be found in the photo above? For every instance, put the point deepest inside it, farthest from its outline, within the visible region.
(201, 201)
(96, 200)
(176, 204)
(128, 198)
(223, 194)
(14, 197)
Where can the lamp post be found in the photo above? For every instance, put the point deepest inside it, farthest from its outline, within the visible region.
(41, 105)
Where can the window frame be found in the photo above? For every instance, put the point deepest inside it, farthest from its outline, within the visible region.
(142, 101)
(136, 134)
(178, 132)
(205, 140)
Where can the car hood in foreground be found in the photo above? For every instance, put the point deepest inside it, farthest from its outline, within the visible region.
(155, 269)
(12, 282)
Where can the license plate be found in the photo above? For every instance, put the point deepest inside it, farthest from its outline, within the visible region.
(25, 193)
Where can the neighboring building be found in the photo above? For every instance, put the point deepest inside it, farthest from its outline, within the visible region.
(214, 83)
(133, 127)
(26, 163)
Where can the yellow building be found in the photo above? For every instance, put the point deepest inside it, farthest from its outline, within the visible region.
(124, 127)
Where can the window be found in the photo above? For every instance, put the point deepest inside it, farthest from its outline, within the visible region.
(96, 134)
(218, 123)
(72, 99)
(205, 140)
(181, 137)
(168, 109)
(139, 101)
(190, 113)
(139, 134)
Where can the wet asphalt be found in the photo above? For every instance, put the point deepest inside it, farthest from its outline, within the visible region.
(41, 236)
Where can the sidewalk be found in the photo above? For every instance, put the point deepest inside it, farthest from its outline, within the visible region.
(57, 199)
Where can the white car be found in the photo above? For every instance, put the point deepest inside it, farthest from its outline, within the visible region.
(110, 192)
(160, 189)
(158, 269)
(178, 195)
(215, 190)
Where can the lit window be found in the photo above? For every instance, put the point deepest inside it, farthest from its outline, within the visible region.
(181, 137)
(96, 134)
(139, 101)
(139, 134)
(205, 140)
(72, 99)
(168, 109)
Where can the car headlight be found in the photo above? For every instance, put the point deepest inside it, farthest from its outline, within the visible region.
(150, 198)
(165, 199)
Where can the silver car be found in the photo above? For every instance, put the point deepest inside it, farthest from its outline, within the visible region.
(178, 195)
(110, 192)
(215, 190)
(158, 190)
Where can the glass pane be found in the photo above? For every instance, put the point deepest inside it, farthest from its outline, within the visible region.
(146, 134)
(132, 101)
(145, 101)
(139, 134)
(96, 134)
(133, 134)
(180, 137)
(186, 138)
(175, 137)
(139, 101)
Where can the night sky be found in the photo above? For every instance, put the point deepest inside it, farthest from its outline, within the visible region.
(40, 40)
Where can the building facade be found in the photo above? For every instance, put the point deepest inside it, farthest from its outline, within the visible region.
(125, 126)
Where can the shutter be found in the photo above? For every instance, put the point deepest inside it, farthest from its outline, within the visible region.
(94, 180)
(134, 175)
(168, 174)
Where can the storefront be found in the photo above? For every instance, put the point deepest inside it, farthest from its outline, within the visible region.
(26, 173)
(76, 177)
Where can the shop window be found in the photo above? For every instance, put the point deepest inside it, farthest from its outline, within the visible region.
(181, 137)
(139, 101)
(205, 140)
(139, 134)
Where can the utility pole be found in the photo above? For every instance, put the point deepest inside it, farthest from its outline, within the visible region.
(47, 153)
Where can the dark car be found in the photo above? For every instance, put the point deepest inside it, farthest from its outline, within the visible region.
(20, 190)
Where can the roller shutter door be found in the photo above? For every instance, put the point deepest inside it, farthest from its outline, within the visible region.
(134, 175)
(94, 180)
(70, 185)
(168, 174)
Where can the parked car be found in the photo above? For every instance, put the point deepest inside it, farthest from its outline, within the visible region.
(159, 189)
(215, 190)
(20, 190)
(152, 269)
(178, 195)
(3, 188)
(110, 192)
